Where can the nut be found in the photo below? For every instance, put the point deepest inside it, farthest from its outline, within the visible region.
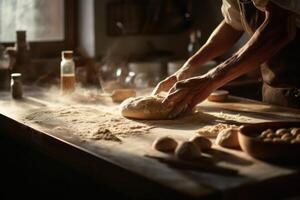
(270, 135)
(267, 140)
(281, 132)
(295, 141)
(277, 140)
(286, 136)
(295, 131)
(266, 132)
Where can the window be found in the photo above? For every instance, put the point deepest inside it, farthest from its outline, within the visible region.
(49, 25)
(43, 20)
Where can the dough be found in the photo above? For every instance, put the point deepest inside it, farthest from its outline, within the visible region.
(228, 138)
(202, 142)
(120, 95)
(188, 151)
(145, 107)
(165, 144)
(218, 95)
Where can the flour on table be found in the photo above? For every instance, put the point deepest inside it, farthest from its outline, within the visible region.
(212, 131)
(232, 117)
(86, 122)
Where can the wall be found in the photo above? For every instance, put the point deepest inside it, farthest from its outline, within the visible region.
(125, 46)
(86, 26)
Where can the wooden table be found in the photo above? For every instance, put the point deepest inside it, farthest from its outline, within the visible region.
(124, 166)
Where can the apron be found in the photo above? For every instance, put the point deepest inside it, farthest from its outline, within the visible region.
(280, 74)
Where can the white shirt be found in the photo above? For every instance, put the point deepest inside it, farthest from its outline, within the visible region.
(231, 12)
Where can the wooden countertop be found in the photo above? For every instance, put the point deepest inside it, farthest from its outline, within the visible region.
(124, 166)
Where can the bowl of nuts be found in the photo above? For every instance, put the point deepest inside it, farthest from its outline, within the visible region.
(272, 141)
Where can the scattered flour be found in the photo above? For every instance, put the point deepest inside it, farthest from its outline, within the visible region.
(212, 131)
(86, 122)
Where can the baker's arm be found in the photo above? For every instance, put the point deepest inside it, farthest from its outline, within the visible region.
(278, 28)
(221, 39)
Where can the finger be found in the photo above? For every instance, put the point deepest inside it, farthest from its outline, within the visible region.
(159, 88)
(175, 97)
(178, 109)
(165, 85)
(156, 90)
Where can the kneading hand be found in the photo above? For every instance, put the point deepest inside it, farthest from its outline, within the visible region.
(165, 85)
(186, 94)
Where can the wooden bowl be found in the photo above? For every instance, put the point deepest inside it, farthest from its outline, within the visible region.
(269, 151)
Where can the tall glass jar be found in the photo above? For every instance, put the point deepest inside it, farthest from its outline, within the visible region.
(67, 72)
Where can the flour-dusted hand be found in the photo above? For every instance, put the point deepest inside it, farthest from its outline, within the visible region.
(165, 85)
(183, 73)
(186, 94)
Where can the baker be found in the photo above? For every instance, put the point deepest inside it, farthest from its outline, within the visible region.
(274, 44)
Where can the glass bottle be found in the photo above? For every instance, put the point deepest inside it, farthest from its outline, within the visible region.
(67, 72)
(193, 45)
(16, 86)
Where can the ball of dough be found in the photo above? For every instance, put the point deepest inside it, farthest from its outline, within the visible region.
(187, 151)
(120, 95)
(228, 138)
(202, 142)
(165, 144)
(145, 107)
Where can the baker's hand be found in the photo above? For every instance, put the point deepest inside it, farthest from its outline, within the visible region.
(186, 94)
(165, 85)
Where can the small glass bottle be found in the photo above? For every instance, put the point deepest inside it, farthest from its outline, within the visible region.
(193, 45)
(67, 72)
(16, 86)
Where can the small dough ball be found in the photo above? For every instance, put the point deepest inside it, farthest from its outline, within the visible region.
(187, 151)
(228, 138)
(120, 95)
(202, 142)
(145, 107)
(165, 144)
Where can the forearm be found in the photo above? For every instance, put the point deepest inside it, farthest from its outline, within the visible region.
(221, 39)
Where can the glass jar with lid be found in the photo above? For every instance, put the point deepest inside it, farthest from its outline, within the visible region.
(67, 72)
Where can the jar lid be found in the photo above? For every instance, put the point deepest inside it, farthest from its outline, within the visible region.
(67, 54)
(15, 75)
